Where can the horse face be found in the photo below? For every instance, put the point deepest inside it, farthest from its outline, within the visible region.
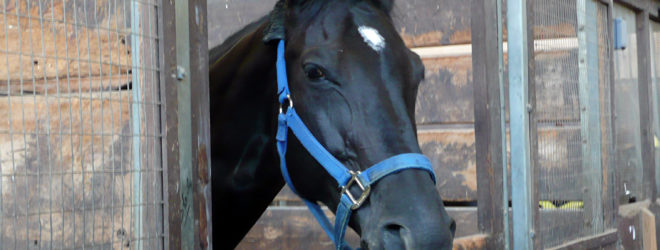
(354, 84)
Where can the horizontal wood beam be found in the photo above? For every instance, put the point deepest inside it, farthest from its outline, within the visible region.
(472, 242)
(595, 241)
(540, 46)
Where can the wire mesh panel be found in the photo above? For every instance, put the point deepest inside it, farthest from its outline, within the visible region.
(628, 135)
(655, 55)
(80, 138)
(573, 114)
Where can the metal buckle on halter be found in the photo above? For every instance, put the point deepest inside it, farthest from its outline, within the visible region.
(286, 100)
(365, 191)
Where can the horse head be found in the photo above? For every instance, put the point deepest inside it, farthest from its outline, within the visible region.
(354, 84)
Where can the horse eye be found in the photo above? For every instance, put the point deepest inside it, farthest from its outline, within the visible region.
(314, 72)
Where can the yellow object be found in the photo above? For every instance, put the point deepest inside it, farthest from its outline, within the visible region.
(567, 205)
(657, 142)
(547, 205)
(572, 205)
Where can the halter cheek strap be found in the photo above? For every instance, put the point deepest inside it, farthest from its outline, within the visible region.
(345, 178)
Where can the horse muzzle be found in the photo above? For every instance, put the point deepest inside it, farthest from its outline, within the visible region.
(405, 212)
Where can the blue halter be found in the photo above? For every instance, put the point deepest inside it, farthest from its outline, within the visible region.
(344, 177)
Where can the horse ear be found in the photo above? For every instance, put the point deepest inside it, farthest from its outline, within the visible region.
(275, 30)
(387, 5)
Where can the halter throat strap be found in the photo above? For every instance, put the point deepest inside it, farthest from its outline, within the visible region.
(288, 119)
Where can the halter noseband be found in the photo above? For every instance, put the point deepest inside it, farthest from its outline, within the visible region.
(344, 177)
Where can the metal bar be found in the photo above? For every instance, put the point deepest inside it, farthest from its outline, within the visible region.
(10, 119)
(522, 188)
(646, 127)
(537, 238)
(589, 94)
(612, 151)
(94, 170)
(34, 96)
(112, 149)
(596, 241)
(136, 114)
(59, 102)
(489, 125)
(505, 171)
(77, 34)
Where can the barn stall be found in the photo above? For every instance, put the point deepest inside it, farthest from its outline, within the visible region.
(104, 141)
(577, 146)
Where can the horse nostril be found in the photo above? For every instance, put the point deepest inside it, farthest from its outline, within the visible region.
(393, 227)
(393, 236)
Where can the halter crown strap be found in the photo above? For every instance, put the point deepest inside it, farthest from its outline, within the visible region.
(345, 178)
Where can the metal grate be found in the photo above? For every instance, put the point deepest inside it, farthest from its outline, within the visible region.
(573, 114)
(80, 139)
(655, 55)
(628, 134)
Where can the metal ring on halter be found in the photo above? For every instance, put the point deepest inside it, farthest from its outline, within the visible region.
(289, 101)
(365, 191)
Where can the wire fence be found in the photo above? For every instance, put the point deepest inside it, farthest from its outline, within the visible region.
(80, 137)
(573, 114)
(655, 52)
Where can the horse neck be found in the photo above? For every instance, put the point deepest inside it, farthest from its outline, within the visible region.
(243, 125)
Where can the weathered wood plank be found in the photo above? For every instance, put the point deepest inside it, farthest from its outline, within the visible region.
(296, 228)
(649, 190)
(170, 118)
(445, 96)
(490, 122)
(473, 242)
(201, 133)
(649, 230)
(597, 241)
(632, 225)
(290, 228)
(430, 22)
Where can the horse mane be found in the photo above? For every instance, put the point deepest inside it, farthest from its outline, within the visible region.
(217, 52)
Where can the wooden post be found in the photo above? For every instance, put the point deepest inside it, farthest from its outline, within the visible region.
(655, 27)
(489, 125)
(648, 229)
(184, 77)
(645, 96)
(523, 127)
(201, 121)
(589, 96)
(609, 149)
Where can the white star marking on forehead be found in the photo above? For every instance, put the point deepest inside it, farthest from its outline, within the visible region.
(372, 38)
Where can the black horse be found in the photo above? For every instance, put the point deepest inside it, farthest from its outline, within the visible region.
(354, 84)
